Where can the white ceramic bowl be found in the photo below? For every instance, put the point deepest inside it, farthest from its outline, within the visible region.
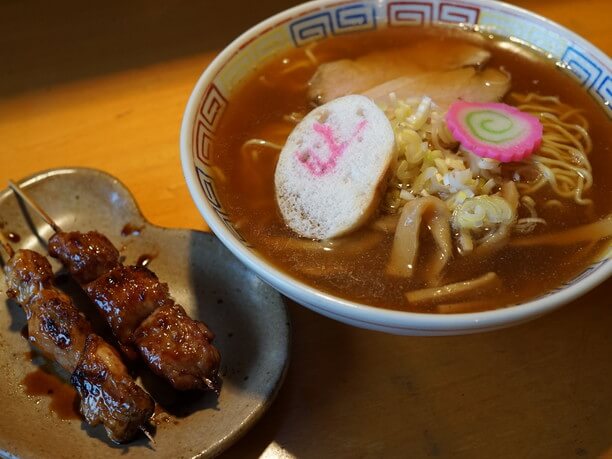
(316, 20)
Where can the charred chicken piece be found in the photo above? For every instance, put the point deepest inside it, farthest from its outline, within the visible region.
(108, 393)
(56, 327)
(136, 290)
(179, 348)
(174, 345)
(27, 273)
(87, 255)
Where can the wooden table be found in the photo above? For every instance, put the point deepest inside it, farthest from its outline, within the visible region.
(104, 85)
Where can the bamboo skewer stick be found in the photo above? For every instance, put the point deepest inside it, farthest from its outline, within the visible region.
(148, 435)
(30, 202)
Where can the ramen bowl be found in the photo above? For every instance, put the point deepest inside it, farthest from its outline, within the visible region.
(313, 21)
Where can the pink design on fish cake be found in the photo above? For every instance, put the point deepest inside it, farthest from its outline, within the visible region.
(314, 163)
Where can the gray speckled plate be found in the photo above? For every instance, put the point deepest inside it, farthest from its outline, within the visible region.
(247, 315)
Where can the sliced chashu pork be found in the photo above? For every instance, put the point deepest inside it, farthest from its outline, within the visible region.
(353, 76)
(444, 88)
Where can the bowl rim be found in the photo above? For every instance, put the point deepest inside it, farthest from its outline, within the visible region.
(335, 305)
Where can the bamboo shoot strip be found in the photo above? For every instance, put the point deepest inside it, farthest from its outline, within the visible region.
(454, 292)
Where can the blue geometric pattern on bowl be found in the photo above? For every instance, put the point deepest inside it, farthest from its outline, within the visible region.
(585, 69)
(590, 73)
(326, 23)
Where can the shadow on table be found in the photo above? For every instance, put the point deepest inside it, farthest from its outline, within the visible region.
(537, 390)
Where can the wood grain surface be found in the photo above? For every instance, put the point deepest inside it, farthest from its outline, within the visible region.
(104, 85)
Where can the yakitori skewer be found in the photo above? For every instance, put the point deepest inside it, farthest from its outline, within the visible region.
(108, 394)
(34, 206)
(137, 307)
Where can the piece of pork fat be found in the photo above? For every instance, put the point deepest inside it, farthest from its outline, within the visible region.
(354, 76)
(445, 87)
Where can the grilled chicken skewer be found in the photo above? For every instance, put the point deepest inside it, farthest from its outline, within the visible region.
(56, 328)
(138, 308)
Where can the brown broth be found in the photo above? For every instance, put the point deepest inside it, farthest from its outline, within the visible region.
(256, 111)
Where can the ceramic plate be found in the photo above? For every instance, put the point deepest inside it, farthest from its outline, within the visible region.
(247, 315)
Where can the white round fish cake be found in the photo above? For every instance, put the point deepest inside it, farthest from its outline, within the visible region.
(329, 171)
